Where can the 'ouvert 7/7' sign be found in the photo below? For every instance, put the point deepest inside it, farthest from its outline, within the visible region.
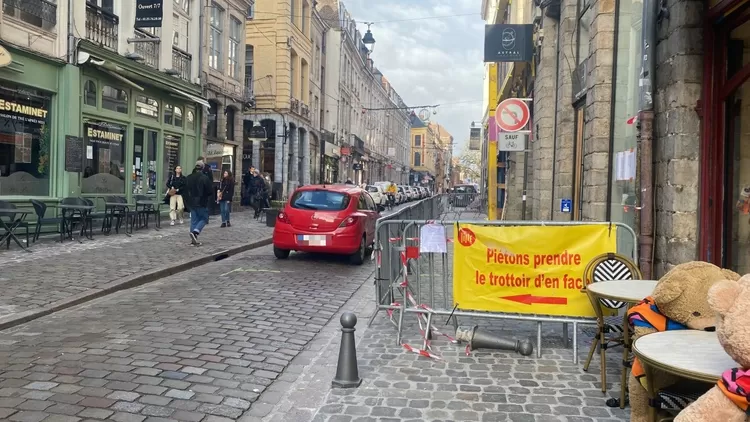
(526, 269)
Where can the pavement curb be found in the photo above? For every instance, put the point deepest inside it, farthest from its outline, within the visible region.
(127, 283)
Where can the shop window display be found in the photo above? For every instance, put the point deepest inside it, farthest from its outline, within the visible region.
(104, 166)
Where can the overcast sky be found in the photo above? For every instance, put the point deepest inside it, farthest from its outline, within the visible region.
(430, 61)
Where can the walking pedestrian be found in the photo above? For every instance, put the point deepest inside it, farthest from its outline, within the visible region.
(247, 196)
(175, 185)
(208, 171)
(259, 192)
(198, 188)
(224, 197)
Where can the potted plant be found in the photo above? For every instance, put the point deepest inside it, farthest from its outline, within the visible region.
(273, 212)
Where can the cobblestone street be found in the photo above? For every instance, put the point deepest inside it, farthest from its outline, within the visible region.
(201, 345)
(56, 272)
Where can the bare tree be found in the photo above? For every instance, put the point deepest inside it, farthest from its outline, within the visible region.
(471, 164)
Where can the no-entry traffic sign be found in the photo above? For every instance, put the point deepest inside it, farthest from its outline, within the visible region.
(512, 115)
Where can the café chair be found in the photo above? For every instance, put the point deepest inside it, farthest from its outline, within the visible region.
(11, 219)
(40, 208)
(611, 329)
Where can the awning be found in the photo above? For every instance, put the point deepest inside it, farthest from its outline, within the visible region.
(193, 98)
(111, 70)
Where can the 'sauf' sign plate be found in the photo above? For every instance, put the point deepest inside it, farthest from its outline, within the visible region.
(512, 141)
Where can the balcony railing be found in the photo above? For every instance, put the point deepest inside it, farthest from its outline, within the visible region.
(149, 50)
(182, 62)
(101, 27)
(40, 13)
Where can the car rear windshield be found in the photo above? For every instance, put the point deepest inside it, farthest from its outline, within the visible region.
(465, 189)
(322, 200)
(372, 189)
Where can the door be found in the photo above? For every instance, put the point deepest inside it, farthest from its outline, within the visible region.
(725, 189)
(372, 217)
(146, 180)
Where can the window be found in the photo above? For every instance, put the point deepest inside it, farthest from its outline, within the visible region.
(303, 81)
(293, 74)
(417, 140)
(215, 37)
(320, 200)
(369, 202)
(190, 114)
(178, 116)
(114, 99)
(89, 93)
(181, 32)
(24, 141)
(417, 159)
(147, 107)
(293, 11)
(249, 70)
(168, 114)
(303, 18)
(585, 13)
(182, 6)
(251, 11)
(104, 171)
(171, 155)
(235, 36)
(211, 128)
(106, 5)
(230, 123)
(40, 13)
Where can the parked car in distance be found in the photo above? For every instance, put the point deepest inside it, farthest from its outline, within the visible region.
(378, 194)
(335, 219)
(463, 195)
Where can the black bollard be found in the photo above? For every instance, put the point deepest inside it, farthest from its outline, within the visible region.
(347, 373)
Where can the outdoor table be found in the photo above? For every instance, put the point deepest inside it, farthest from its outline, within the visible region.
(695, 355)
(150, 203)
(109, 210)
(84, 210)
(627, 291)
(11, 226)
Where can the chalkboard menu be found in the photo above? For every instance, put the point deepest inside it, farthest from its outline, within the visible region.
(171, 152)
(73, 154)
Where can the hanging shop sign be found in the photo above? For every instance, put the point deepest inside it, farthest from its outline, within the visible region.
(346, 151)
(148, 13)
(508, 43)
(475, 137)
(331, 150)
(357, 166)
(5, 57)
(257, 132)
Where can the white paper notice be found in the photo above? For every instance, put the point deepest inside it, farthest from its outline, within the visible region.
(630, 165)
(89, 152)
(432, 239)
(620, 166)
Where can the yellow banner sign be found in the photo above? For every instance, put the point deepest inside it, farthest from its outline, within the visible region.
(526, 269)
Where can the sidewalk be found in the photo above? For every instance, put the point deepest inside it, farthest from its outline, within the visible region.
(56, 276)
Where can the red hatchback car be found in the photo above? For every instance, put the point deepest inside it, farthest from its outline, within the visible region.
(335, 219)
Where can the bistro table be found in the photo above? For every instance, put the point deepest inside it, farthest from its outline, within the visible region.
(110, 210)
(629, 292)
(11, 226)
(83, 211)
(149, 206)
(692, 354)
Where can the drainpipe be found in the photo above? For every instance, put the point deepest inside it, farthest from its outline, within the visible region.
(554, 127)
(646, 138)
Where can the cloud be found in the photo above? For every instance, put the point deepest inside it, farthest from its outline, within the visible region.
(430, 61)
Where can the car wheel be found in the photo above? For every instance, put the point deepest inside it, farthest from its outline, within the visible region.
(358, 258)
(280, 253)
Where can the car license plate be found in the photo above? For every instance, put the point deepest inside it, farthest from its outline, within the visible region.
(312, 239)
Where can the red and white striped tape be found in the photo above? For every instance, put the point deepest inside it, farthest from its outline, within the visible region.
(421, 352)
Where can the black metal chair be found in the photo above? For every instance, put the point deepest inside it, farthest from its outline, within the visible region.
(118, 214)
(78, 216)
(11, 218)
(145, 211)
(40, 208)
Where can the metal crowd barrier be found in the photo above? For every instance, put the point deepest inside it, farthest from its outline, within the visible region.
(430, 292)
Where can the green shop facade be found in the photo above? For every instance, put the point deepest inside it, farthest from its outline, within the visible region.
(108, 127)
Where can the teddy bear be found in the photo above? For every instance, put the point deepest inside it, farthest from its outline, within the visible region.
(728, 400)
(679, 301)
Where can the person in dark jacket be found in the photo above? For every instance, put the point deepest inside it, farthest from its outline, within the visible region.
(199, 189)
(224, 197)
(259, 193)
(175, 185)
(247, 178)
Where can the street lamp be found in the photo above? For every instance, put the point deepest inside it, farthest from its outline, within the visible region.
(368, 40)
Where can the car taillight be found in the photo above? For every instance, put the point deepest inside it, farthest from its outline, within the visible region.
(282, 217)
(349, 221)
